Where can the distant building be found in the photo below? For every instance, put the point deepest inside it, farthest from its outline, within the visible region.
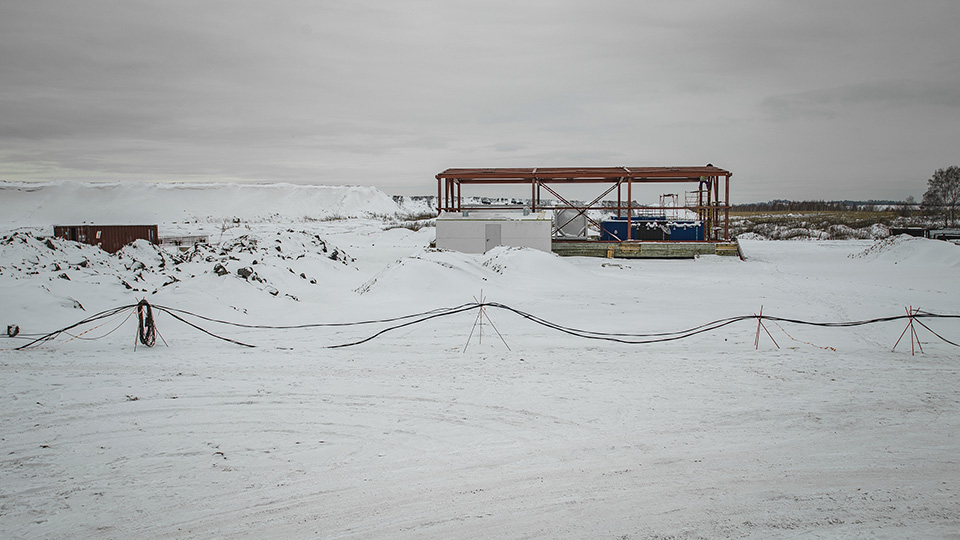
(479, 232)
(109, 238)
(919, 232)
(944, 234)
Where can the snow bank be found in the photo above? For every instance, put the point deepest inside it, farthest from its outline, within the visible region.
(29, 204)
(283, 264)
(443, 274)
(913, 251)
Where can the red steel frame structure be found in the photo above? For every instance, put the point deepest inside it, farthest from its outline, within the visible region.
(709, 207)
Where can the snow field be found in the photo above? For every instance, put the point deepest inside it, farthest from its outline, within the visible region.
(408, 436)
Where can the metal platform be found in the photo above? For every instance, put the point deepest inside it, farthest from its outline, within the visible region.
(644, 250)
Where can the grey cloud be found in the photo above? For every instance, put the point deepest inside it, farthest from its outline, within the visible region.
(382, 92)
(829, 102)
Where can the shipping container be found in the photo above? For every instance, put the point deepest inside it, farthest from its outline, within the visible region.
(642, 228)
(109, 238)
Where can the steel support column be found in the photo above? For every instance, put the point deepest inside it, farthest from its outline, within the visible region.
(726, 209)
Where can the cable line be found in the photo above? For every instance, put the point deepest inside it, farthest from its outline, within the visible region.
(147, 332)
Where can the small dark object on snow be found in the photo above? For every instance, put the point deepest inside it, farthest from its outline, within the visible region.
(220, 270)
(64, 276)
(49, 244)
(245, 272)
(12, 330)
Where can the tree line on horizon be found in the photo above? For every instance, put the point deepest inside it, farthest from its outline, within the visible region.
(942, 199)
(786, 205)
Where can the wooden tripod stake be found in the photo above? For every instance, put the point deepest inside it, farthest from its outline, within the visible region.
(756, 341)
(482, 314)
(913, 332)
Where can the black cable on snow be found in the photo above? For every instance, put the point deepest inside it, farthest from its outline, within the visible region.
(205, 331)
(938, 335)
(454, 311)
(81, 337)
(619, 337)
(147, 330)
(586, 333)
(95, 317)
(311, 325)
(147, 326)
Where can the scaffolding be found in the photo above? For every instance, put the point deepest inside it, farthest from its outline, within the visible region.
(710, 201)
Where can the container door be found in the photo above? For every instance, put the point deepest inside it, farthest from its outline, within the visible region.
(492, 236)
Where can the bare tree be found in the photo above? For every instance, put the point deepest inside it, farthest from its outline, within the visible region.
(906, 207)
(943, 193)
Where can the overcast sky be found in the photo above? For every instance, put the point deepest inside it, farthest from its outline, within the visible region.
(818, 99)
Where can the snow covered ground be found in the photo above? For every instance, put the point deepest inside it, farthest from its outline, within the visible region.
(833, 435)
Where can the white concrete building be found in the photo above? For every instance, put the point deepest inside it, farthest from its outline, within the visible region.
(479, 232)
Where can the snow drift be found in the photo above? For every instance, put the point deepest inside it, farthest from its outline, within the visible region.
(30, 204)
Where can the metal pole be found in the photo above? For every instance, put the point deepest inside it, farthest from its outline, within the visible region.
(726, 204)
(630, 207)
(716, 200)
(619, 202)
(533, 195)
(446, 194)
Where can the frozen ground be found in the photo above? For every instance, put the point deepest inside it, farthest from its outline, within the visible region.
(832, 435)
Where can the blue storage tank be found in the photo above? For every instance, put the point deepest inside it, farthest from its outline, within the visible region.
(644, 228)
(652, 228)
(613, 230)
(686, 230)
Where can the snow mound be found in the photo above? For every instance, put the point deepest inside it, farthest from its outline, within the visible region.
(462, 275)
(913, 251)
(28, 204)
(432, 271)
(523, 263)
(288, 261)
